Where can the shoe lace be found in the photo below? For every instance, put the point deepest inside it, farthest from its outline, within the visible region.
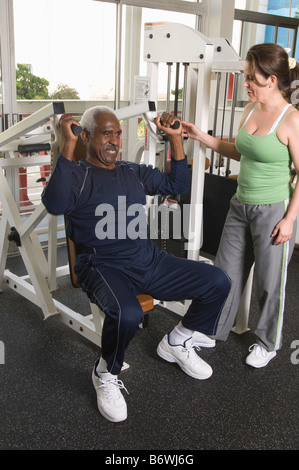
(112, 388)
(258, 350)
(190, 351)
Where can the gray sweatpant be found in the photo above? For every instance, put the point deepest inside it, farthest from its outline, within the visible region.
(246, 239)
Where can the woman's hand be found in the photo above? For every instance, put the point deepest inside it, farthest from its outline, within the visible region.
(282, 232)
(190, 130)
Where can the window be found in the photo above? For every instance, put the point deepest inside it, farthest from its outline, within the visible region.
(273, 22)
(74, 46)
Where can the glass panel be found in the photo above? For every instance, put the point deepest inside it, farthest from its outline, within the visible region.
(240, 4)
(269, 33)
(1, 101)
(286, 8)
(258, 33)
(284, 37)
(237, 34)
(73, 46)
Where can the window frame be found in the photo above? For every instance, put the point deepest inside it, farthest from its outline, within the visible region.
(246, 16)
(195, 8)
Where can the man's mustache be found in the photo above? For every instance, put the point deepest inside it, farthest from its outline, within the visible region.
(112, 147)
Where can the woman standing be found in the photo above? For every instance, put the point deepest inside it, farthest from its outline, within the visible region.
(261, 222)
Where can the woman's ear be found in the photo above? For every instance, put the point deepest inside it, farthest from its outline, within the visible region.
(273, 80)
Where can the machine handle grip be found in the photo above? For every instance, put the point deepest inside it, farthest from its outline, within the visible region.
(175, 125)
(76, 129)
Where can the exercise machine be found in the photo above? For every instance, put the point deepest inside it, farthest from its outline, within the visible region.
(201, 58)
(179, 44)
(42, 273)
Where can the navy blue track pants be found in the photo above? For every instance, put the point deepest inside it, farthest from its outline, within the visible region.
(113, 287)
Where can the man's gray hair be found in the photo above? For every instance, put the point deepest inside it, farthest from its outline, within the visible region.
(88, 119)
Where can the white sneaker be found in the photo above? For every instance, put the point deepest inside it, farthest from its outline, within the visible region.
(186, 357)
(111, 403)
(202, 340)
(259, 356)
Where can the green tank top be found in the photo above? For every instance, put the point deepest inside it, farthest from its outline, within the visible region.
(265, 166)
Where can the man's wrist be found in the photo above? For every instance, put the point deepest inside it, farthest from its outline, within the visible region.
(68, 149)
(177, 149)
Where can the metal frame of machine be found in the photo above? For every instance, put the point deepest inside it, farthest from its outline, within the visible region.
(166, 42)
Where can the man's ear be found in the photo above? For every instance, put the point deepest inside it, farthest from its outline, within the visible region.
(85, 135)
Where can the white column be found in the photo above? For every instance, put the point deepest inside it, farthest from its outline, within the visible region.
(219, 19)
(8, 66)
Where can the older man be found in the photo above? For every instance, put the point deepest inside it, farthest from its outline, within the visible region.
(101, 197)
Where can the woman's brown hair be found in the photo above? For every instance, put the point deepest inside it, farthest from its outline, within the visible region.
(272, 59)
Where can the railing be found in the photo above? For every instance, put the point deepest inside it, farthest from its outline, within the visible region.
(276, 21)
(28, 182)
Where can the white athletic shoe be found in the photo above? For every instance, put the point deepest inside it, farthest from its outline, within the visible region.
(202, 340)
(111, 403)
(259, 356)
(186, 357)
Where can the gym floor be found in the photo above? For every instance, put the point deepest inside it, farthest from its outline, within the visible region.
(47, 400)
